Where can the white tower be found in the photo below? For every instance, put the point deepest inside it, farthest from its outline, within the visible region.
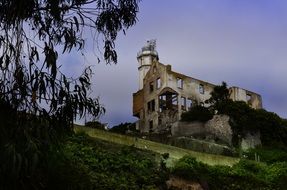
(145, 57)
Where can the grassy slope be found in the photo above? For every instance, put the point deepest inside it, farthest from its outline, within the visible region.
(175, 153)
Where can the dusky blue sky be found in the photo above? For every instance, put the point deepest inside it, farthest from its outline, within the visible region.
(243, 43)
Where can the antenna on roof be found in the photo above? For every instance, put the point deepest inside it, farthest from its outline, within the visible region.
(152, 44)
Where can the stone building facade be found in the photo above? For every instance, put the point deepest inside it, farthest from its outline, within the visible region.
(163, 94)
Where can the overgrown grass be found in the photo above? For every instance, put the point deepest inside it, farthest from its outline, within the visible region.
(242, 176)
(91, 164)
(174, 152)
(268, 155)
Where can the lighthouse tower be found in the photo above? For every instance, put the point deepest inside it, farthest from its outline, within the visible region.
(145, 58)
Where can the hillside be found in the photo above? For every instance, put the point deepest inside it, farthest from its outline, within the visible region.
(175, 153)
(140, 165)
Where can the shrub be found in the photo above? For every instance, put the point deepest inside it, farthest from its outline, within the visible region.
(273, 129)
(267, 155)
(104, 166)
(123, 128)
(244, 175)
(95, 124)
(197, 113)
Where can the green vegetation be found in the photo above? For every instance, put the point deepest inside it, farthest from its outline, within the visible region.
(84, 163)
(175, 153)
(93, 164)
(95, 124)
(268, 155)
(38, 102)
(124, 128)
(244, 175)
(197, 113)
(273, 129)
(243, 118)
(219, 96)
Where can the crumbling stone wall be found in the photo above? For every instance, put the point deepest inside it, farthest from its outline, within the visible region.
(220, 127)
(251, 140)
(217, 128)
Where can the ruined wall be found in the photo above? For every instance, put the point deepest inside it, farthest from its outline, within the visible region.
(250, 140)
(189, 92)
(138, 102)
(158, 78)
(217, 128)
(220, 127)
(251, 98)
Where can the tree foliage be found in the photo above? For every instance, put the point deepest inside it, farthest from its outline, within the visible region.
(243, 175)
(38, 102)
(123, 128)
(197, 113)
(219, 96)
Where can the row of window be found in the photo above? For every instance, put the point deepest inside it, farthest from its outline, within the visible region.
(185, 103)
(179, 82)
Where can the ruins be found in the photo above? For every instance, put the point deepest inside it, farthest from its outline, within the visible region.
(163, 94)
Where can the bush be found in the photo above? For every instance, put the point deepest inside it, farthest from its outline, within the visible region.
(197, 113)
(244, 175)
(188, 168)
(267, 155)
(273, 129)
(95, 124)
(88, 164)
(123, 128)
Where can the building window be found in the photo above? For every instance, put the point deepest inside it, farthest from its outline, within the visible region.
(183, 103)
(201, 89)
(168, 101)
(151, 86)
(189, 103)
(248, 99)
(151, 105)
(179, 82)
(158, 83)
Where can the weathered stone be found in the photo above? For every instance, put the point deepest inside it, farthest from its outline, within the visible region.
(250, 140)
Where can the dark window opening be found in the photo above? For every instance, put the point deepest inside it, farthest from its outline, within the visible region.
(168, 101)
(151, 86)
(151, 105)
(201, 89)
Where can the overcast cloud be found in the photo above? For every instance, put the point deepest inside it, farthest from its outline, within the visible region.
(241, 42)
